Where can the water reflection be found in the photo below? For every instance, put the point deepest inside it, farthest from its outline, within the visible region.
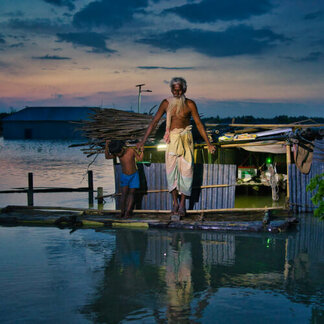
(180, 277)
(152, 276)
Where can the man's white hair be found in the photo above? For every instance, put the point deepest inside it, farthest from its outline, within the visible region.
(180, 81)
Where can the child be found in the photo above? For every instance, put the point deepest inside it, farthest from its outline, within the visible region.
(129, 178)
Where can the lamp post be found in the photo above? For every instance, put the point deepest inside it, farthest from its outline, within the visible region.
(140, 90)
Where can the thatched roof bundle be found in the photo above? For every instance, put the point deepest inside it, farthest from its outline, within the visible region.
(110, 124)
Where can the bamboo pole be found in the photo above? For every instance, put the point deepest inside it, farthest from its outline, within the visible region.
(14, 207)
(143, 211)
(251, 144)
(200, 187)
(288, 161)
(199, 211)
(167, 190)
(35, 190)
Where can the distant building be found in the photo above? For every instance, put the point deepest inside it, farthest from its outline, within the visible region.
(45, 123)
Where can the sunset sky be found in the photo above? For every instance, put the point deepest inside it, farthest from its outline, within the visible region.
(240, 57)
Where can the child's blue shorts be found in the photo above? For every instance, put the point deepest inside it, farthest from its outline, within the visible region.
(132, 180)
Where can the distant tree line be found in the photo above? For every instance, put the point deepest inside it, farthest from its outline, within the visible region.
(282, 119)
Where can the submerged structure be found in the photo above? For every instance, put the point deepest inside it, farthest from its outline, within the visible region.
(45, 123)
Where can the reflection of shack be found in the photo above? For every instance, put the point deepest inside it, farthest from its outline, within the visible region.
(218, 248)
(158, 244)
(305, 248)
(174, 275)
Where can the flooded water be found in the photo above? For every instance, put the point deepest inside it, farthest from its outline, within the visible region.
(54, 164)
(152, 276)
(120, 276)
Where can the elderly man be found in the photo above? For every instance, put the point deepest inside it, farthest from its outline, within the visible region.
(179, 153)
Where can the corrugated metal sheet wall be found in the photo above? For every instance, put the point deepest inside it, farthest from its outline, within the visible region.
(153, 177)
(300, 199)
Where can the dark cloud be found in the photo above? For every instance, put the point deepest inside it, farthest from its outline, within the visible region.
(96, 41)
(9, 68)
(319, 42)
(165, 68)
(211, 10)
(18, 37)
(39, 25)
(108, 13)
(311, 57)
(62, 3)
(15, 14)
(50, 57)
(16, 45)
(4, 65)
(82, 98)
(58, 96)
(236, 40)
(2, 40)
(314, 15)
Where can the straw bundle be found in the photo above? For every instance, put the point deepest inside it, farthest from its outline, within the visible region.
(109, 123)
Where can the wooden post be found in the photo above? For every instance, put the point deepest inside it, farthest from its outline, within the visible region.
(288, 161)
(100, 197)
(30, 194)
(90, 187)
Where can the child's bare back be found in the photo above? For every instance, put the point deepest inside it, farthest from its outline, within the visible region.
(129, 177)
(128, 162)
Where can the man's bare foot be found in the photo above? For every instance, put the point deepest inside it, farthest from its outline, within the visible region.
(182, 211)
(174, 210)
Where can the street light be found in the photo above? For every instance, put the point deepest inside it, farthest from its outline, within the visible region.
(139, 95)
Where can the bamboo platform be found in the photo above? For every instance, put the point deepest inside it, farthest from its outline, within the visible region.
(272, 220)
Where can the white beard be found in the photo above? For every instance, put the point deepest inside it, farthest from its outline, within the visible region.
(179, 103)
(176, 102)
